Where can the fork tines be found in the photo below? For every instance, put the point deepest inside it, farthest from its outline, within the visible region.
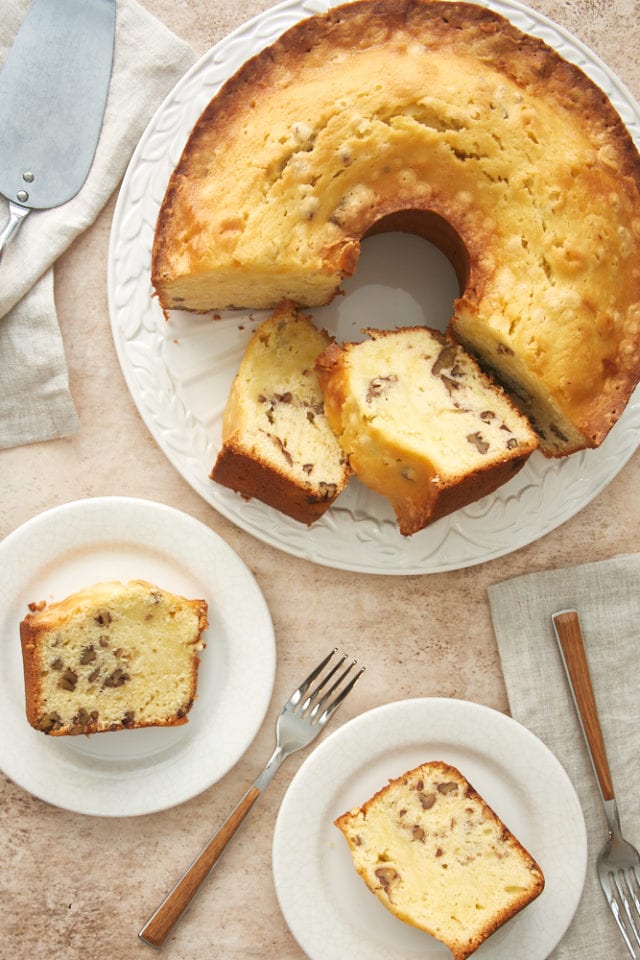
(622, 890)
(313, 705)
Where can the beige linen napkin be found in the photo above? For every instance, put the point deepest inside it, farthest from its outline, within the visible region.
(607, 598)
(35, 403)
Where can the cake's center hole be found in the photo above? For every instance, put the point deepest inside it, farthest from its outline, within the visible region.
(402, 280)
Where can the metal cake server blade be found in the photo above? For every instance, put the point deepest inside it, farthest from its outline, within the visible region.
(53, 91)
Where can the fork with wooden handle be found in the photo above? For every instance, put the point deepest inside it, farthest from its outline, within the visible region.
(300, 721)
(618, 862)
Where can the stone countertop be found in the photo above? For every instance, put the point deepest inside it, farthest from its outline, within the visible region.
(77, 887)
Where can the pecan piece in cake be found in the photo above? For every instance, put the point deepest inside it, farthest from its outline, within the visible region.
(478, 442)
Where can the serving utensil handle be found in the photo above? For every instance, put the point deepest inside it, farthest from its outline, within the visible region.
(568, 632)
(160, 924)
(16, 216)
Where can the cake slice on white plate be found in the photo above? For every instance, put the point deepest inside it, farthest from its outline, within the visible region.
(438, 857)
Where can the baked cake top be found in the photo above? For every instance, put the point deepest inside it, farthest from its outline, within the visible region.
(444, 119)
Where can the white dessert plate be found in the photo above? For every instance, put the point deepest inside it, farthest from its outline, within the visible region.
(179, 371)
(328, 908)
(131, 772)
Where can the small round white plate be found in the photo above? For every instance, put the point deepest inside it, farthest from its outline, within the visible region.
(125, 773)
(179, 371)
(328, 908)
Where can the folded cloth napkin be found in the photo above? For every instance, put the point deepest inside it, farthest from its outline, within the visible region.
(607, 598)
(35, 403)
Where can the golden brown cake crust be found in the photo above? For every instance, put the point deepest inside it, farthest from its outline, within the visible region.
(240, 471)
(31, 669)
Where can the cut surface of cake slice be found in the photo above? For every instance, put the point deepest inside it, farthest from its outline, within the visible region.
(439, 858)
(112, 656)
(277, 445)
(421, 423)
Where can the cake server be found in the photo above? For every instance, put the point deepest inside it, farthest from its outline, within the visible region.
(53, 91)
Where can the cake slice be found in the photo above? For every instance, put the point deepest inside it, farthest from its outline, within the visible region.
(438, 857)
(421, 423)
(110, 657)
(277, 445)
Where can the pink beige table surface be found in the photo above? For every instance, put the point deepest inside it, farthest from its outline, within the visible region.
(78, 888)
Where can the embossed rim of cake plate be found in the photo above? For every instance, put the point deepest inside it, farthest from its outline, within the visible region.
(358, 533)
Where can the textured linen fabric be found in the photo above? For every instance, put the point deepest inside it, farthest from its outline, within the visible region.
(35, 403)
(607, 597)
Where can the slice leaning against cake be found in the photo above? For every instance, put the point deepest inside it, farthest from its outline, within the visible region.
(420, 422)
(438, 857)
(112, 656)
(276, 443)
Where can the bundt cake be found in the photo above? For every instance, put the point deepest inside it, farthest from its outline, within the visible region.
(421, 423)
(442, 119)
(276, 443)
(113, 656)
(438, 857)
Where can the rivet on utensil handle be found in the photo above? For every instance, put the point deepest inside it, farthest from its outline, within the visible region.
(159, 926)
(569, 636)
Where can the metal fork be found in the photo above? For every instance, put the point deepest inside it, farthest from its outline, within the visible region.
(618, 861)
(303, 716)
